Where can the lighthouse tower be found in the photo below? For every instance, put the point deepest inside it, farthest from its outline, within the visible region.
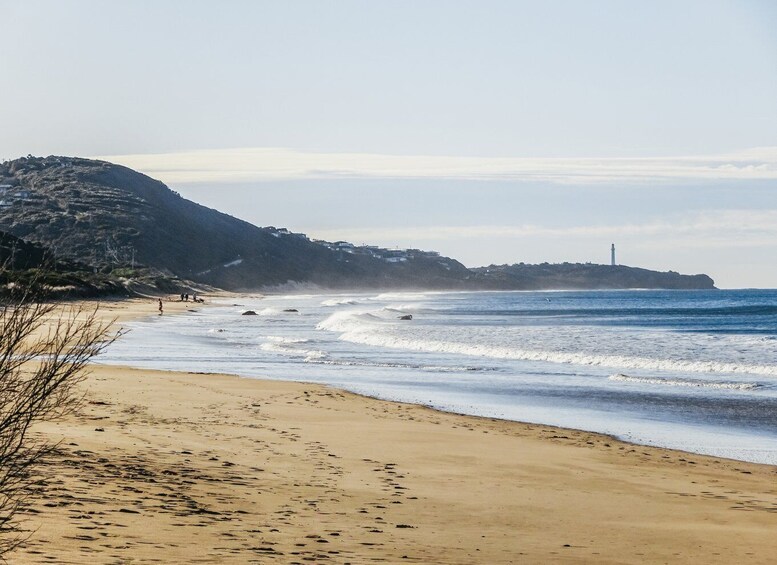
(612, 255)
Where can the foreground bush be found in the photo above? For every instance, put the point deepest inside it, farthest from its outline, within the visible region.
(44, 351)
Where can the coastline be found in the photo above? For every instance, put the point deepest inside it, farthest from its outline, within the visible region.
(295, 472)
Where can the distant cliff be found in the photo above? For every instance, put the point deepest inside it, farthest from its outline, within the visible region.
(115, 219)
(579, 276)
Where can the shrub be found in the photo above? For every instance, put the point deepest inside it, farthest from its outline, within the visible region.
(44, 351)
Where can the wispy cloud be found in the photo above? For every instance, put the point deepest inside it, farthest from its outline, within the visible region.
(717, 228)
(262, 164)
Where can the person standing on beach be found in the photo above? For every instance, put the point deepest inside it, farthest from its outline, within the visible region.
(160, 306)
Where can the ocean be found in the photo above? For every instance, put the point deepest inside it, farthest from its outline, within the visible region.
(690, 370)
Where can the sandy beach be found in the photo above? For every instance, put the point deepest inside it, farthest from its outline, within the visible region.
(163, 467)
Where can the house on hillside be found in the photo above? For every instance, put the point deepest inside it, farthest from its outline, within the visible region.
(395, 255)
(421, 253)
(326, 244)
(344, 246)
(278, 232)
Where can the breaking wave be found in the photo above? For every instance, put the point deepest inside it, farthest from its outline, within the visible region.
(287, 340)
(287, 346)
(341, 302)
(367, 328)
(269, 312)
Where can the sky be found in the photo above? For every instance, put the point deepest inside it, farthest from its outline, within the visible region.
(492, 131)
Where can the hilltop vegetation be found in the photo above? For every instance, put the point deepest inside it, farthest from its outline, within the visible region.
(28, 267)
(25, 265)
(120, 222)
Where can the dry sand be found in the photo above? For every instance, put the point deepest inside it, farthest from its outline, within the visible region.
(162, 467)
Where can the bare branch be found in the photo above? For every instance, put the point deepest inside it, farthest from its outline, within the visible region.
(45, 349)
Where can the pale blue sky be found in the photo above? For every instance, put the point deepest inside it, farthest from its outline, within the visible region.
(342, 85)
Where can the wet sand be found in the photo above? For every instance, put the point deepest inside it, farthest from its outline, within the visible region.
(164, 467)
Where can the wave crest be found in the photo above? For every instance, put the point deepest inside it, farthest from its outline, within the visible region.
(289, 340)
(366, 328)
(341, 302)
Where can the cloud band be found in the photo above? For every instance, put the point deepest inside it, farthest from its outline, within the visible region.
(266, 164)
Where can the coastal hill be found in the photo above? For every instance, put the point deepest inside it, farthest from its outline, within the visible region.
(580, 276)
(115, 219)
(111, 216)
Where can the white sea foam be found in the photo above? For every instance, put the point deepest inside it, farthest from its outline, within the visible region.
(684, 382)
(341, 302)
(315, 355)
(349, 321)
(367, 328)
(285, 348)
(270, 312)
(288, 340)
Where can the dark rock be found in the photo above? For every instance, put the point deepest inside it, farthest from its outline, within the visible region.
(248, 313)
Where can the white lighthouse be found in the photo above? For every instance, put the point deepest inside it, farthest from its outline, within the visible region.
(612, 255)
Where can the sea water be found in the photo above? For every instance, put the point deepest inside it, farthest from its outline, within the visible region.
(692, 370)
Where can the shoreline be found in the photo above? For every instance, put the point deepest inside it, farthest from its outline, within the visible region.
(130, 312)
(484, 419)
(297, 472)
(634, 436)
